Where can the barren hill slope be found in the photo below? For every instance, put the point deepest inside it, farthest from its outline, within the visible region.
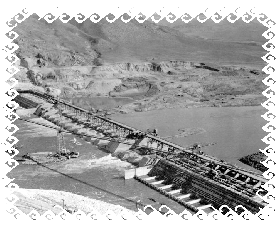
(169, 65)
(224, 43)
(55, 44)
(239, 31)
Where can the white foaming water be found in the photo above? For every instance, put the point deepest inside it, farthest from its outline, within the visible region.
(106, 162)
(110, 162)
(81, 165)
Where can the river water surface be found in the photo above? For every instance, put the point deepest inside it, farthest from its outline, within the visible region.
(237, 131)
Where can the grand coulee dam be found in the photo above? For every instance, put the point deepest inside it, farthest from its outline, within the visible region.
(192, 179)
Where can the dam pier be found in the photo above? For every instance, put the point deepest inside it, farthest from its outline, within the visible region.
(197, 181)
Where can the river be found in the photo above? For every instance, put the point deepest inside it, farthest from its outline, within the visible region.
(96, 174)
(237, 131)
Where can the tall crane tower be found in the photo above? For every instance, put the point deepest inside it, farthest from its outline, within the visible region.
(60, 135)
(61, 143)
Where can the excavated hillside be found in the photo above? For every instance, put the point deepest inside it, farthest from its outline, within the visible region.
(149, 66)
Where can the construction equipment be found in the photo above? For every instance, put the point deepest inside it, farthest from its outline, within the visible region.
(60, 136)
(61, 154)
(62, 150)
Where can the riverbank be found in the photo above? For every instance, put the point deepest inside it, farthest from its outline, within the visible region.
(44, 200)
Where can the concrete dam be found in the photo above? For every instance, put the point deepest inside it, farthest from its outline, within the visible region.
(196, 181)
(183, 184)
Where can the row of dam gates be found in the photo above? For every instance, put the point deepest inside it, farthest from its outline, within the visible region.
(179, 170)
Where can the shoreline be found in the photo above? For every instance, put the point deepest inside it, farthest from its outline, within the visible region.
(43, 200)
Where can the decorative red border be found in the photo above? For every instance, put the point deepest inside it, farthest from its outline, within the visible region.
(216, 14)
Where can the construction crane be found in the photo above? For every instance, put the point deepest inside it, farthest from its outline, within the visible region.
(61, 144)
(61, 153)
(60, 135)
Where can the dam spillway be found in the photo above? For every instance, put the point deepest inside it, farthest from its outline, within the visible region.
(184, 181)
(207, 178)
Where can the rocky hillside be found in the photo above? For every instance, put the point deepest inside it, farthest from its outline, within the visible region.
(223, 31)
(159, 64)
(59, 44)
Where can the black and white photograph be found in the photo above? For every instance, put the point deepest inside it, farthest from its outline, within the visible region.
(136, 115)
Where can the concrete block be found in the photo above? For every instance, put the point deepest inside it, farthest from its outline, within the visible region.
(53, 120)
(64, 122)
(193, 201)
(129, 141)
(111, 146)
(69, 125)
(102, 142)
(157, 182)
(82, 131)
(95, 140)
(140, 171)
(48, 115)
(150, 178)
(175, 191)
(166, 186)
(129, 174)
(153, 145)
(144, 161)
(144, 142)
(76, 128)
(204, 207)
(184, 196)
